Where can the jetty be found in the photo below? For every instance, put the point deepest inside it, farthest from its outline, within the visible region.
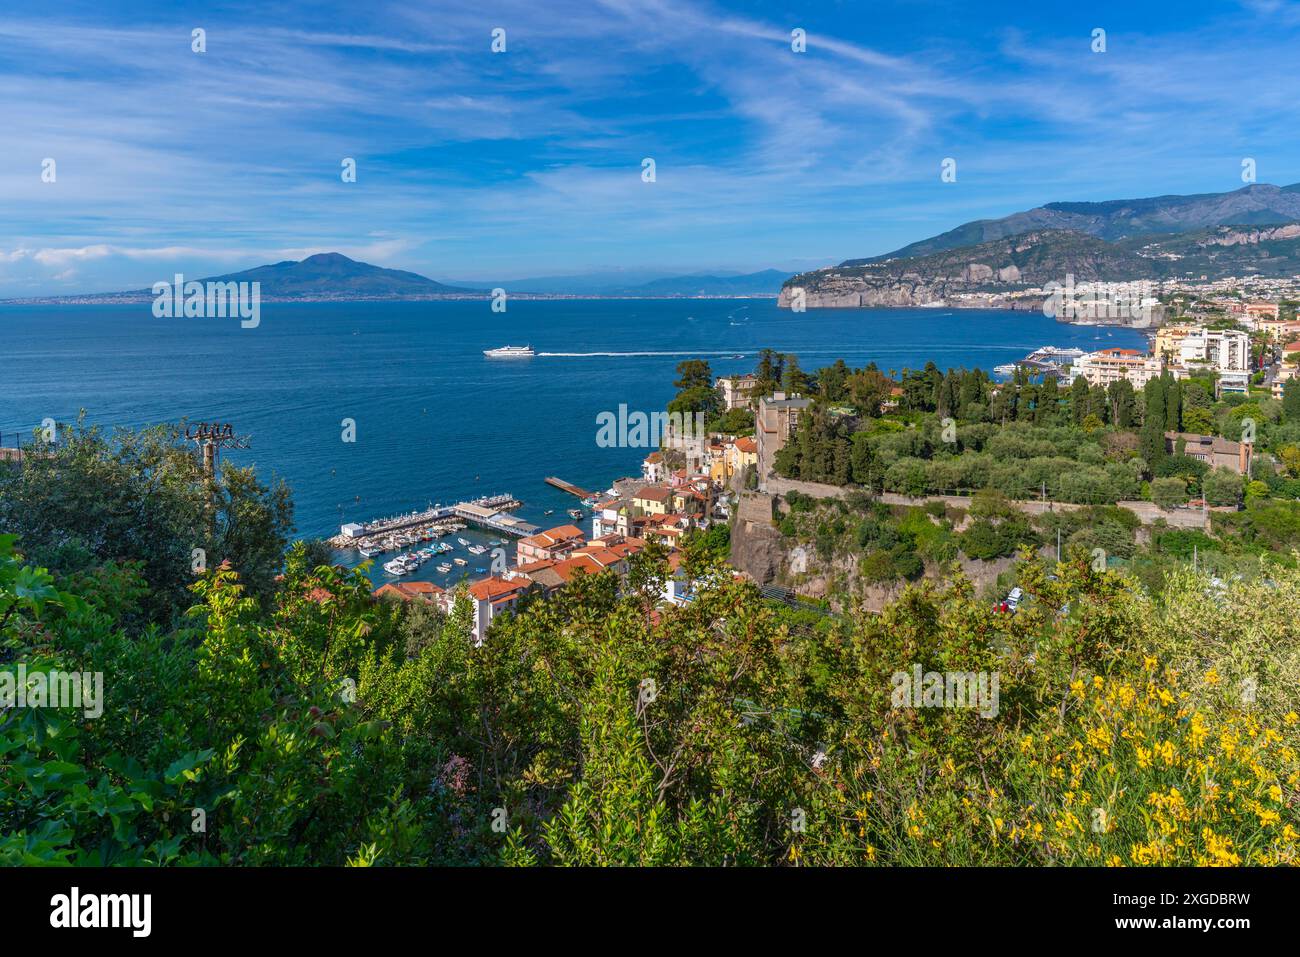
(491, 511)
(569, 487)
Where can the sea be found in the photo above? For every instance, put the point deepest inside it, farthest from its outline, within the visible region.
(370, 409)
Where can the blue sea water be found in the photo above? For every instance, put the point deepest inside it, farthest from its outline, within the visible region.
(435, 419)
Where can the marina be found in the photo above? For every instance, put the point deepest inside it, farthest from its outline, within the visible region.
(399, 531)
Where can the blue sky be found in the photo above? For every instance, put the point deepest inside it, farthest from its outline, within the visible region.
(475, 165)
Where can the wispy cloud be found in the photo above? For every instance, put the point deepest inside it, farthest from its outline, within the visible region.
(471, 162)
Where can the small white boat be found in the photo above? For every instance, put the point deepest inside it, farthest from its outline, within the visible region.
(397, 567)
(370, 551)
(477, 549)
(460, 561)
(462, 541)
(444, 567)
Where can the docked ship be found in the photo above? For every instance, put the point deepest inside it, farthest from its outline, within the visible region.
(510, 352)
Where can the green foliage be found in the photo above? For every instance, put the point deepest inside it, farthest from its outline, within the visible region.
(142, 495)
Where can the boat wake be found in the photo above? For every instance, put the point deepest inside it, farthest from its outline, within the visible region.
(583, 355)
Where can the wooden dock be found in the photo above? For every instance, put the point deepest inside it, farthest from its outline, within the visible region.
(569, 487)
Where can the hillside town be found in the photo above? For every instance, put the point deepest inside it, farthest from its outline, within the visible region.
(694, 483)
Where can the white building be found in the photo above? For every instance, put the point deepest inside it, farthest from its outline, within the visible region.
(737, 390)
(1223, 350)
(1111, 365)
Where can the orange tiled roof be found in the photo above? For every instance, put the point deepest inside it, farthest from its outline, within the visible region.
(492, 589)
(578, 565)
(408, 590)
(554, 536)
(654, 493)
(530, 567)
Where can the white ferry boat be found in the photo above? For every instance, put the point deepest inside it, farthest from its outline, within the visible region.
(510, 352)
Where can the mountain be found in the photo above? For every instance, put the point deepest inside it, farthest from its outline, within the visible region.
(992, 273)
(335, 276)
(1259, 204)
(766, 282)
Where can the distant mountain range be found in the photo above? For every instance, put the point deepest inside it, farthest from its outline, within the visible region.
(333, 276)
(1253, 231)
(764, 283)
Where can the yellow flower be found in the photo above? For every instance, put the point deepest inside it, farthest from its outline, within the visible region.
(1212, 677)
(1290, 718)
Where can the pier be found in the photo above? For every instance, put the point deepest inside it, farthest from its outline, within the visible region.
(569, 487)
(488, 512)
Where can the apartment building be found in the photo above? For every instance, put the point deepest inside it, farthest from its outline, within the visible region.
(554, 544)
(488, 598)
(1112, 365)
(737, 390)
(776, 420)
(1223, 350)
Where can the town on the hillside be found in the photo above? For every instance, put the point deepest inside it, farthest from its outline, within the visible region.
(696, 483)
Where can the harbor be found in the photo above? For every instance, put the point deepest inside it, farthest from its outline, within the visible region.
(491, 512)
(413, 535)
(1043, 360)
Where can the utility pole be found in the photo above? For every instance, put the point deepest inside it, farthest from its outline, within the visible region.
(210, 437)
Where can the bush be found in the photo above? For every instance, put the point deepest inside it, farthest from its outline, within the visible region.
(1168, 493)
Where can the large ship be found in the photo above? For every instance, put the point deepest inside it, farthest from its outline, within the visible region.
(510, 352)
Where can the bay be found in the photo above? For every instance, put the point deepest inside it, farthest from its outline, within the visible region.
(435, 419)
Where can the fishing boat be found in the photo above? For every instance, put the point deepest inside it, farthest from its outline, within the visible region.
(397, 567)
(370, 551)
(575, 513)
(510, 352)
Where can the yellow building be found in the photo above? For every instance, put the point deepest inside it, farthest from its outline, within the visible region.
(652, 500)
(1169, 341)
